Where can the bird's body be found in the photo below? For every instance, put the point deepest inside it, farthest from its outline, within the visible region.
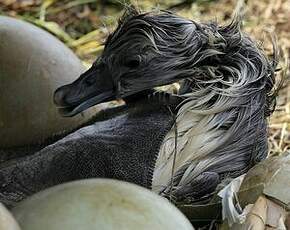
(214, 128)
(120, 143)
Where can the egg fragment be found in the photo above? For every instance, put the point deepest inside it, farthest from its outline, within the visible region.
(98, 204)
(33, 63)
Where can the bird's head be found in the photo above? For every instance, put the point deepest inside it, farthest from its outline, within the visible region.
(154, 49)
(145, 51)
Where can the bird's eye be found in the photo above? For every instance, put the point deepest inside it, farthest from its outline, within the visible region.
(133, 62)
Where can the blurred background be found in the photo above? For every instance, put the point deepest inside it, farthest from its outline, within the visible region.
(83, 26)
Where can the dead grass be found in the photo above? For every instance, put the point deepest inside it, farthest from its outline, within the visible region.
(84, 24)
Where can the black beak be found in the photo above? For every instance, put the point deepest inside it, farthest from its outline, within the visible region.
(93, 87)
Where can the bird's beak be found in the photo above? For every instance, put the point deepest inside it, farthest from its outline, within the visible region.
(93, 87)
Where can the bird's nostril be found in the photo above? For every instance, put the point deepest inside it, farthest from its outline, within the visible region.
(59, 97)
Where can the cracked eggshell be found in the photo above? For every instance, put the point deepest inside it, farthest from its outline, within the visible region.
(270, 177)
(98, 204)
(33, 63)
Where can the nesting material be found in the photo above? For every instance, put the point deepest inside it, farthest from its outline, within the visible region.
(256, 218)
(263, 195)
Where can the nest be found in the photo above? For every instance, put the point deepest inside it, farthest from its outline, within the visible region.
(83, 26)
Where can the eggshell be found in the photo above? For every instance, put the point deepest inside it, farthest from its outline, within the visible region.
(7, 221)
(103, 204)
(33, 63)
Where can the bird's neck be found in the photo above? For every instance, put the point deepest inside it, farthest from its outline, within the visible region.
(193, 138)
(222, 140)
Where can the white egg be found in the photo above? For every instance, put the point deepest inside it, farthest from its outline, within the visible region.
(33, 63)
(101, 204)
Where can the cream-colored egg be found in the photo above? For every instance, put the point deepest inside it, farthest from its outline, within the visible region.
(100, 204)
(7, 221)
(33, 63)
